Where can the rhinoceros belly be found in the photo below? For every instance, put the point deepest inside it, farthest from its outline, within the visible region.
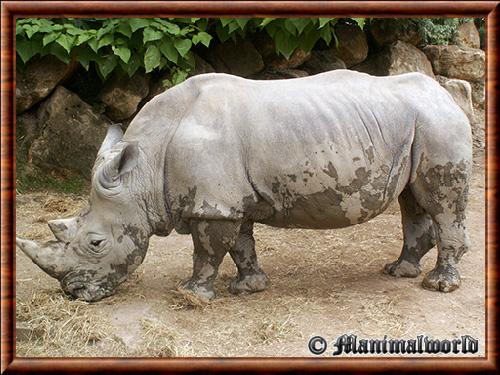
(323, 194)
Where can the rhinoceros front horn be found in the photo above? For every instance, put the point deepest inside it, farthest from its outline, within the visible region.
(49, 256)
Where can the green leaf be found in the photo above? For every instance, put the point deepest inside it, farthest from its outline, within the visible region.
(326, 34)
(300, 23)
(31, 30)
(182, 46)
(359, 21)
(202, 37)
(108, 29)
(168, 50)
(133, 64)
(106, 65)
(233, 26)
(285, 43)
(93, 43)
(24, 49)
(226, 21)
(85, 55)
(58, 51)
(49, 38)
(324, 21)
(167, 26)
(221, 32)
(82, 38)
(122, 52)
(72, 30)
(151, 34)
(66, 42)
(188, 63)
(266, 21)
(19, 29)
(242, 22)
(151, 58)
(179, 76)
(309, 39)
(290, 27)
(124, 28)
(106, 40)
(138, 23)
(166, 83)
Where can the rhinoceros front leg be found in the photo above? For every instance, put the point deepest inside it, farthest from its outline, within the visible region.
(250, 277)
(212, 240)
(419, 237)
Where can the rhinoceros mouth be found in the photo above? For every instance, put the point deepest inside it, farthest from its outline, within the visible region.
(89, 291)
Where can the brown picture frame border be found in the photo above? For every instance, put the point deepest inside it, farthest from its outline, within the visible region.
(10, 10)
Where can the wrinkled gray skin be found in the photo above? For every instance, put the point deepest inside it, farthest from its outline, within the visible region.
(217, 153)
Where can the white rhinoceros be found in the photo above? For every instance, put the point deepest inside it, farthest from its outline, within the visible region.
(217, 153)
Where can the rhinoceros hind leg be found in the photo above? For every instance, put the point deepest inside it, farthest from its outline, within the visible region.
(418, 234)
(250, 277)
(212, 240)
(443, 191)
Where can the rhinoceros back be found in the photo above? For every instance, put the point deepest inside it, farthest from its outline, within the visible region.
(325, 151)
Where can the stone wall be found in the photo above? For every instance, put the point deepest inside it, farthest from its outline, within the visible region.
(63, 110)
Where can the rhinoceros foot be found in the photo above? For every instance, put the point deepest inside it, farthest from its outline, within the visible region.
(196, 293)
(402, 268)
(256, 282)
(442, 278)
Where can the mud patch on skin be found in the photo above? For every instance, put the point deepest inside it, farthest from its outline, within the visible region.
(440, 181)
(184, 203)
(331, 171)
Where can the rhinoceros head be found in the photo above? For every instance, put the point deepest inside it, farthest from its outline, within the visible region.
(96, 250)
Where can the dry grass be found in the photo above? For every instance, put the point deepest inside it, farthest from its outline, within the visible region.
(157, 340)
(51, 323)
(276, 328)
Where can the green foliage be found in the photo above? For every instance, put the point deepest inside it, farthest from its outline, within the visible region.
(124, 43)
(129, 44)
(437, 30)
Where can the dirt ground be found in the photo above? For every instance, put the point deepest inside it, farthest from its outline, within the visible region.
(326, 283)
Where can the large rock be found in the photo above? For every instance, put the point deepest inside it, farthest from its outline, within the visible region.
(38, 80)
(200, 67)
(457, 62)
(352, 46)
(267, 49)
(323, 61)
(386, 31)
(27, 130)
(122, 95)
(70, 134)
(397, 58)
(461, 92)
(263, 43)
(297, 58)
(478, 93)
(467, 35)
(241, 59)
(279, 74)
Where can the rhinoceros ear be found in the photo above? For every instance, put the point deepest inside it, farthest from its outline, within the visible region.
(121, 163)
(113, 136)
(64, 229)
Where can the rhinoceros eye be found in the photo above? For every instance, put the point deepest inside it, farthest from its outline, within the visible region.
(96, 243)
